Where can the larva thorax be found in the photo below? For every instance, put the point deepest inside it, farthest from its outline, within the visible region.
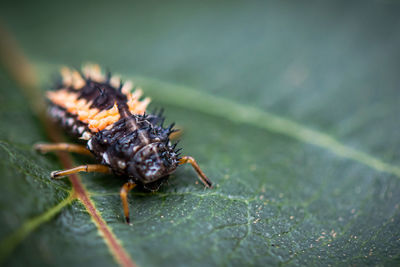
(144, 153)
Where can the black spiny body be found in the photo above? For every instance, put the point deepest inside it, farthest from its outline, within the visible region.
(137, 147)
(124, 139)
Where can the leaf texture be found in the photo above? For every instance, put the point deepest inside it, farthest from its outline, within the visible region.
(291, 109)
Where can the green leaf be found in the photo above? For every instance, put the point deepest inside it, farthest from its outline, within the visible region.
(291, 109)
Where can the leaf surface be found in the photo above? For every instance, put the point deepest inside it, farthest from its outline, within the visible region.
(292, 110)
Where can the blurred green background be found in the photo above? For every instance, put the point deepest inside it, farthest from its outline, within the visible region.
(332, 66)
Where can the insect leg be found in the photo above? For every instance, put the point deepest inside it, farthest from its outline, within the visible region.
(44, 148)
(124, 197)
(202, 176)
(82, 168)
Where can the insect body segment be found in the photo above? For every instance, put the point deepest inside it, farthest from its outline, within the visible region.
(137, 147)
(123, 138)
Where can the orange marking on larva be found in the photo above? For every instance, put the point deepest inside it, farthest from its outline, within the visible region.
(70, 103)
(77, 81)
(108, 117)
(72, 78)
(62, 98)
(135, 105)
(96, 125)
(93, 71)
(66, 76)
(104, 119)
(135, 95)
(143, 104)
(81, 104)
(106, 113)
(86, 114)
(115, 81)
(126, 88)
(139, 107)
(96, 119)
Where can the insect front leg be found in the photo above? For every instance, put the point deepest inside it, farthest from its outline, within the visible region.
(44, 148)
(202, 176)
(82, 168)
(126, 188)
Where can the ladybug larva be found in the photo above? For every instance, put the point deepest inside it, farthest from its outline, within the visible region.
(112, 119)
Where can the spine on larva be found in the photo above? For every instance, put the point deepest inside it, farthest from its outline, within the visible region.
(118, 146)
(93, 100)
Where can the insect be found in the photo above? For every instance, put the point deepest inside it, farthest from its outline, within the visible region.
(103, 111)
